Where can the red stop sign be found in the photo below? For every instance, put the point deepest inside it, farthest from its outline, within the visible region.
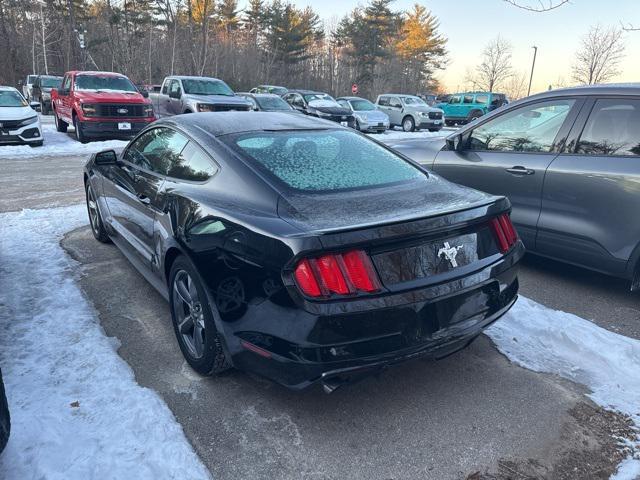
(354, 88)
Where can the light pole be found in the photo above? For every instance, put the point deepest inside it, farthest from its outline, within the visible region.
(533, 65)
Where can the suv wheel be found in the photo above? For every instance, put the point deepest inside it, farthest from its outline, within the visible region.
(193, 320)
(61, 126)
(408, 124)
(474, 115)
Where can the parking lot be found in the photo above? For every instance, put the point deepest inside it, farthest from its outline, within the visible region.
(475, 414)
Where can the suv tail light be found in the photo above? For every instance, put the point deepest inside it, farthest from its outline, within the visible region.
(504, 231)
(337, 274)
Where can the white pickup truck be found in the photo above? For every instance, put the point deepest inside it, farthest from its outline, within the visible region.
(183, 94)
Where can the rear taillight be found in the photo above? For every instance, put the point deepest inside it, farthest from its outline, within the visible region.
(504, 231)
(337, 274)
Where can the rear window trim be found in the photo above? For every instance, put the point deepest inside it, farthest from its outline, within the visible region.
(284, 188)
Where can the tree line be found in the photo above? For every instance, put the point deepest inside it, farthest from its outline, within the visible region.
(268, 42)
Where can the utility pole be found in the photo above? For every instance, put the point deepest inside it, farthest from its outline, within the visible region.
(44, 41)
(533, 65)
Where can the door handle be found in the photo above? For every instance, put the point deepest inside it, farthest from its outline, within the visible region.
(518, 170)
(143, 199)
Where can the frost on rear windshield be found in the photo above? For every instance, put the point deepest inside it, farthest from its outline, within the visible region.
(325, 160)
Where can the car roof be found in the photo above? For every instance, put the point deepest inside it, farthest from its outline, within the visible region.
(95, 72)
(397, 95)
(192, 77)
(349, 98)
(225, 123)
(603, 89)
(302, 91)
(259, 95)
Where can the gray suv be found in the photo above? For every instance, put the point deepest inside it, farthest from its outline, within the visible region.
(410, 112)
(569, 161)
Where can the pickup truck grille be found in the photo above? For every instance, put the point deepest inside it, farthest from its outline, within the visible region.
(119, 110)
(435, 115)
(227, 108)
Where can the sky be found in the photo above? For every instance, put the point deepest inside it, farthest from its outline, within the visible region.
(471, 24)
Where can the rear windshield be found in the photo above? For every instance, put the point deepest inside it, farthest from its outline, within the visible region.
(104, 83)
(323, 160)
(272, 103)
(206, 87)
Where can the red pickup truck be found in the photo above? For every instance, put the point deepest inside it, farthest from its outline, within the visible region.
(100, 105)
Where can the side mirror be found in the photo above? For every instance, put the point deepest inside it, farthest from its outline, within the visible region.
(454, 143)
(106, 157)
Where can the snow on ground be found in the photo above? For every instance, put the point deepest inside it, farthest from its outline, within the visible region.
(56, 143)
(546, 340)
(77, 411)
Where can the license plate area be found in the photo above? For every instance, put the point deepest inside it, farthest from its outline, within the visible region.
(124, 126)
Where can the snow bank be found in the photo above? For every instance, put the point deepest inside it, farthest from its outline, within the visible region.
(546, 340)
(56, 143)
(77, 411)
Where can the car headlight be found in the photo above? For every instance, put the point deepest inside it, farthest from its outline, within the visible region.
(28, 121)
(148, 110)
(320, 114)
(362, 117)
(88, 109)
(205, 107)
(424, 114)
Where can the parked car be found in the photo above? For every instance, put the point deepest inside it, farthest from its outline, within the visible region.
(269, 89)
(267, 102)
(569, 161)
(19, 122)
(100, 105)
(321, 105)
(27, 86)
(300, 250)
(5, 417)
(368, 117)
(183, 94)
(410, 112)
(430, 99)
(41, 91)
(466, 107)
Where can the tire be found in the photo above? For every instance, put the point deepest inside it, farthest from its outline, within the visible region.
(95, 217)
(37, 144)
(61, 125)
(5, 417)
(80, 136)
(408, 124)
(434, 129)
(474, 115)
(199, 341)
(44, 108)
(358, 126)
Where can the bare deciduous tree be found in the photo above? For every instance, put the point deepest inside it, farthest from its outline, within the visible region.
(516, 87)
(599, 55)
(537, 5)
(495, 68)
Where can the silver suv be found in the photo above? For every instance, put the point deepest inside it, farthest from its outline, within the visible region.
(410, 112)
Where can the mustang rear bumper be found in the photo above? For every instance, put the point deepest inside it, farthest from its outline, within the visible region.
(379, 338)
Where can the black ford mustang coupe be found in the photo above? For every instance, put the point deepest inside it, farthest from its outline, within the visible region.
(300, 250)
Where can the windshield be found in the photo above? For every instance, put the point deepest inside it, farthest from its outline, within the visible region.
(362, 105)
(206, 87)
(9, 98)
(50, 82)
(323, 160)
(31, 78)
(413, 101)
(317, 96)
(272, 103)
(104, 83)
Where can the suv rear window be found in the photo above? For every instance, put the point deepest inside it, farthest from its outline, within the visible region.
(323, 160)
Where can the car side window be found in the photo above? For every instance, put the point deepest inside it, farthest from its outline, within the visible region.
(383, 102)
(395, 102)
(165, 87)
(468, 99)
(344, 103)
(154, 150)
(191, 163)
(531, 128)
(174, 87)
(298, 100)
(66, 85)
(613, 128)
(482, 99)
(455, 99)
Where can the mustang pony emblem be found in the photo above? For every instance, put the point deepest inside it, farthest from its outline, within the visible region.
(449, 253)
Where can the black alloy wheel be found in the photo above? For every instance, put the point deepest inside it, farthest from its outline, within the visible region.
(95, 218)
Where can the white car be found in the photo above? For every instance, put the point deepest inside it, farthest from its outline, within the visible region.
(19, 123)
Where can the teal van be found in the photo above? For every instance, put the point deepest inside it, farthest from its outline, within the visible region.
(466, 107)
